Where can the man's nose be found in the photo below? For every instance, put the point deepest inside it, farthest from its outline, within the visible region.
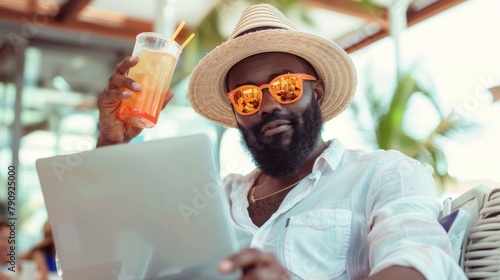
(269, 104)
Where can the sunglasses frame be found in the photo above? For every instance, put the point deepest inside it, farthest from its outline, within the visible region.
(300, 79)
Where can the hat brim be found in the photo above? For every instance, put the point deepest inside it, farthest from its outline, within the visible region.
(207, 90)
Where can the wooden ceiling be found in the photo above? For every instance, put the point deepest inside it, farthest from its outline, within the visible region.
(79, 16)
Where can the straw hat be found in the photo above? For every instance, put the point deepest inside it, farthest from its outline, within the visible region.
(207, 90)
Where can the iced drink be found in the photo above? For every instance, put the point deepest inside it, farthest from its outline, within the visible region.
(154, 72)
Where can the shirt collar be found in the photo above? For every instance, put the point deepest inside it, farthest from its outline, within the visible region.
(331, 156)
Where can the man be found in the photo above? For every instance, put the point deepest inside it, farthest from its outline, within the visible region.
(312, 209)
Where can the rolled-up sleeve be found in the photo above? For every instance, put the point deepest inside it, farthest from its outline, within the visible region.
(403, 229)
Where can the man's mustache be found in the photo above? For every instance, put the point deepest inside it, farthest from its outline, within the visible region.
(256, 129)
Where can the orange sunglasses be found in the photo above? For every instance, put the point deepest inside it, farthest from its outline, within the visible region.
(285, 89)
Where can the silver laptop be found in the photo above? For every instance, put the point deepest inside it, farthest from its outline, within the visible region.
(150, 210)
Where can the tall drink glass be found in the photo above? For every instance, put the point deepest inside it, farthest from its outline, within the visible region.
(154, 71)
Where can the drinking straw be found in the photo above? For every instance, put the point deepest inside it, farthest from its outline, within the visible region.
(184, 44)
(181, 25)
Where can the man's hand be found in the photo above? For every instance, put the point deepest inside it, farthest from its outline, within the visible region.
(255, 264)
(397, 272)
(119, 87)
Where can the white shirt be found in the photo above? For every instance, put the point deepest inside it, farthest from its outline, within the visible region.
(357, 213)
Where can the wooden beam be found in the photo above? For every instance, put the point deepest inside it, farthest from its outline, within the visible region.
(433, 9)
(347, 7)
(367, 40)
(28, 8)
(352, 8)
(495, 91)
(413, 17)
(68, 12)
(103, 23)
(113, 20)
(32, 5)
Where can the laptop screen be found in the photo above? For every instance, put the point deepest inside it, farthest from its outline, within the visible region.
(150, 210)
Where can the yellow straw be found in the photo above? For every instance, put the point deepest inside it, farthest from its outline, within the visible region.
(181, 25)
(184, 44)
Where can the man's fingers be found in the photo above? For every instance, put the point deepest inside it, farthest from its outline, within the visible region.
(244, 259)
(255, 265)
(266, 273)
(123, 67)
(168, 97)
(119, 81)
(119, 86)
(118, 94)
(111, 98)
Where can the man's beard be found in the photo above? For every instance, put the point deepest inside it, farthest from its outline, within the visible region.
(279, 160)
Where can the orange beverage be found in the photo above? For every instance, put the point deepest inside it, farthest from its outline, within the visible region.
(154, 72)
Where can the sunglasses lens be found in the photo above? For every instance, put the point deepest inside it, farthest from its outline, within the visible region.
(286, 88)
(247, 99)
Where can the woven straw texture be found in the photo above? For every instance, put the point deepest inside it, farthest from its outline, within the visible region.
(207, 90)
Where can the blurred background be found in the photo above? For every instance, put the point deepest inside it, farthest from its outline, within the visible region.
(429, 77)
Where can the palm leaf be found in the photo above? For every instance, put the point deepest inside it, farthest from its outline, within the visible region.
(455, 127)
(406, 144)
(390, 133)
(439, 165)
(425, 90)
(390, 123)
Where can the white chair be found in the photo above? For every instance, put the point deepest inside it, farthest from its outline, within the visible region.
(475, 231)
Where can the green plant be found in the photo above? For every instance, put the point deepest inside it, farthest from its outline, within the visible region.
(387, 131)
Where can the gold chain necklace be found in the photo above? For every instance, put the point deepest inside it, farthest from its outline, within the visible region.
(253, 199)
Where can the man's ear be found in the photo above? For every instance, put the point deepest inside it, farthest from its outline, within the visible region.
(319, 91)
